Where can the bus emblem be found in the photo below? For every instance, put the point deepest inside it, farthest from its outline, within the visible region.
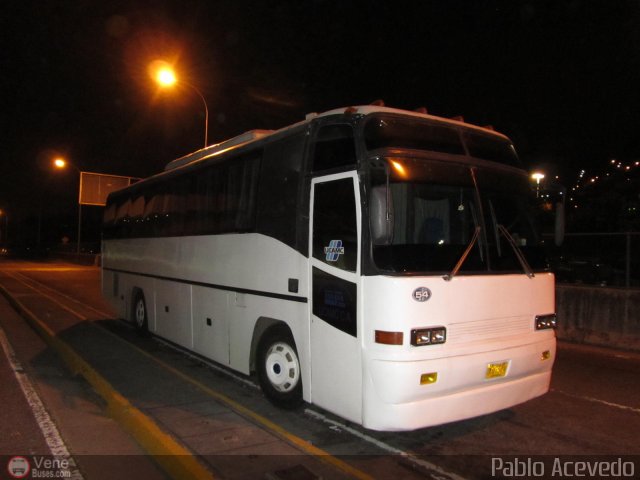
(334, 250)
(421, 294)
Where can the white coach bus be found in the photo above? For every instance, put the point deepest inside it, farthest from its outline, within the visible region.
(379, 263)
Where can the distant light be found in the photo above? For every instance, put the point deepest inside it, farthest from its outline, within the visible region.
(537, 176)
(59, 163)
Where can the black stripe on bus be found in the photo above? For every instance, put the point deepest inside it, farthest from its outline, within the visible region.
(259, 293)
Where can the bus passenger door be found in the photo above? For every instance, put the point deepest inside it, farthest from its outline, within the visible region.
(336, 371)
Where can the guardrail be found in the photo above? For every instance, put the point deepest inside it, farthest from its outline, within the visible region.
(605, 259)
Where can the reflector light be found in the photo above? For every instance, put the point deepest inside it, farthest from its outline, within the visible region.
(428, 336)
(546, 355)
(546, 321)
(388, 338)
(428, 378)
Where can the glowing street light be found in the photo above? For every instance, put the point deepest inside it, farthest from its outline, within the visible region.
(60, 163)
(164, 75)
(537, 176)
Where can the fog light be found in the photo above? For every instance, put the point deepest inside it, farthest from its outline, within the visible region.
(428, 378)
(428, 336)
(544, 322)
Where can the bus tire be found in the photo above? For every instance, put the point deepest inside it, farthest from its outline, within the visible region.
(279, 368)
(140, 316)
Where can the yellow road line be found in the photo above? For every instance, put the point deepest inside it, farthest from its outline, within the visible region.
(61, 305)
(174, 458)
(256, 417)
(59, 293)
(282, 433)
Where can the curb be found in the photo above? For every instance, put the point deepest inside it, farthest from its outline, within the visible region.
(178, 462)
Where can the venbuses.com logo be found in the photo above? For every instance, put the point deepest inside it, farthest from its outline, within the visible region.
(18, 467)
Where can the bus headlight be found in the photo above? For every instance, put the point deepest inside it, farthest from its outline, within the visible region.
(428, 336)
(544, 322)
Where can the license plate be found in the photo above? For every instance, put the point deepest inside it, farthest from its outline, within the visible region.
(496, 370)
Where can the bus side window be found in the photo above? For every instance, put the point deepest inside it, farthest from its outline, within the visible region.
(151, 213)
(109, 218)
(136, 216)
(334, 148)
(227, 196)
(243, 186)
(122, 219)
(278, 193)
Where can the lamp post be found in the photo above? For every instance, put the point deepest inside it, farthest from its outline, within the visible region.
(60, 163)
(537, 176)
(165, 76)
(4, 234)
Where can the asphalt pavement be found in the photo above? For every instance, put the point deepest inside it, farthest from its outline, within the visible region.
(179, 422)
(49, 413)
(138, 387)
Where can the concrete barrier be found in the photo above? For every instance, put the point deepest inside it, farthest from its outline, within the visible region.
(599, 316)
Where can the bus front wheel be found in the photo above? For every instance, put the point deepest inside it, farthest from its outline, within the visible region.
(140, 318)
(279, 368)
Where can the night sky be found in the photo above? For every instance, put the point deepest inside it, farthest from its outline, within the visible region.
(561, 78)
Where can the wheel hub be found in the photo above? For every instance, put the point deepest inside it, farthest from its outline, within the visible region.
(140, 313)
(283, 368)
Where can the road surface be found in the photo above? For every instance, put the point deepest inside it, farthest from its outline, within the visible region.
(221, 420)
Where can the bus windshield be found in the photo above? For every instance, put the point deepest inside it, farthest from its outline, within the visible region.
(388, 131)
(425, 214)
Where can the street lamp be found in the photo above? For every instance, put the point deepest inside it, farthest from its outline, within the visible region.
(165, 76)
(537, 176)
(60, 163)
(4, 234)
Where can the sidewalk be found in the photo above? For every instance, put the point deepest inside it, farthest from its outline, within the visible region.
(172, 417)
(21, 433)
(47, 413)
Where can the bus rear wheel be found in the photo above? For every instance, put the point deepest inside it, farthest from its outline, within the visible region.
(279, 368)
(140, 319)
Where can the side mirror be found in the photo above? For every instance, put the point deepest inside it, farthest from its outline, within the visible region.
(560, 224)
(381, 216)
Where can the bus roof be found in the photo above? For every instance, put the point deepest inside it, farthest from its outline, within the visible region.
(362, 110)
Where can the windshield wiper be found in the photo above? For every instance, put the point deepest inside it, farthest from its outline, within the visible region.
(523, 261)
(464, 256)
